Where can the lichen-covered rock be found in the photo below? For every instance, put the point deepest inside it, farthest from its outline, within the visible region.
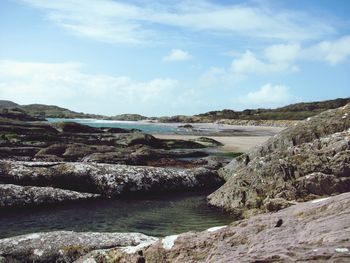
(308, 160)
(64, 246)
(107, 179)
(28, 196)
(276, 204)
(315, 231)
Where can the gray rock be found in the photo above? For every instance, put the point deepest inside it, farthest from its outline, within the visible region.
(308, 160)
(27, 196)
(208, 142)
(64, 246)
(276, 204)
(107, 179)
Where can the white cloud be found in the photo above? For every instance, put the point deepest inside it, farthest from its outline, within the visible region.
(334, 52)
(177, 55)
(133, 23)
(268, 95)
(248, 63)
(66, 84)
(282, 53)
(284, 57)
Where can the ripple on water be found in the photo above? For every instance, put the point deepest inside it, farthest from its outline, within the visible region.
(161, 216)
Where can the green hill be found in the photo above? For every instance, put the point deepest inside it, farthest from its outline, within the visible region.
(51, 111)
(298, 111)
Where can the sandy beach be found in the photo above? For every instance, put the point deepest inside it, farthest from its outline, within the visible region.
(233, 137)
(231, 143)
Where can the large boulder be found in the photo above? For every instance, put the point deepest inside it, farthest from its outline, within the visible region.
(107, 179)
(64, 246)
(308, 160)
(28, 196)
(315, 231)
(136, 138)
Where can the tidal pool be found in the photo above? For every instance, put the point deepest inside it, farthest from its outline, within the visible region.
(156, 216)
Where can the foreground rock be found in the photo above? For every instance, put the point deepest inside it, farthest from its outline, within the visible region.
(304, 162)
(107, 179)
(64, 246)
(315, 231)
(27, 196)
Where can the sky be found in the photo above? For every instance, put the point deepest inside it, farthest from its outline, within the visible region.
(166, 57)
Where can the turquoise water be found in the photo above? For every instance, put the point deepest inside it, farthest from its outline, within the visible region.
(152, 128)
(160, 216)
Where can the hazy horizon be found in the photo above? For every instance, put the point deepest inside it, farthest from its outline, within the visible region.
(158, 58)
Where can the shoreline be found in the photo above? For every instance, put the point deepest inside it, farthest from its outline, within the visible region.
(230, 143)
(235, 138)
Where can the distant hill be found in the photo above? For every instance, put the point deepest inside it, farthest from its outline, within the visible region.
(51, 111)
(7, 104)
(298, 111)
(128, 117)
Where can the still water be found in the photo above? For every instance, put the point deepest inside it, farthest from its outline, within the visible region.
(156, 216)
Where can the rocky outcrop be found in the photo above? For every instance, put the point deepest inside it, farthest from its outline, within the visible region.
(27, 196)
(69, 141)
(74, 127)
(266, 123)
(15, 113)
(208, 142)
(64, 246)
(107, 179)
(306, 161)
(315, 231)
(128, 117)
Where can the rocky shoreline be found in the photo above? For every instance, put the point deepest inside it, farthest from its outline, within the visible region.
(289, 196)
(67, 161)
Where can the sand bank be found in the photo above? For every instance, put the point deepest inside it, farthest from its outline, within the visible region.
(231, 143)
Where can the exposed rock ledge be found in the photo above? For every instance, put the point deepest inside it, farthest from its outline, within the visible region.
(267, 123)
(309, 160)
(23, 196)
(107, 179)
(315, 231)
(64, 246)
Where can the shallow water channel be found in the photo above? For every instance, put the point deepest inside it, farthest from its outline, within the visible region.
(156, 216)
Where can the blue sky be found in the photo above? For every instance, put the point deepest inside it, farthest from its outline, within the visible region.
(173, 57)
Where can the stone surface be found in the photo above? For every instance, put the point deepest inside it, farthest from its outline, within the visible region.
(107, 179)
(27, 196)
(64, 246)
(306, 161)
(208, 142)
(69, 141)
(315, 231)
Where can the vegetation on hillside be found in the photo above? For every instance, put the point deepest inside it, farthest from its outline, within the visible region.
(297, 111)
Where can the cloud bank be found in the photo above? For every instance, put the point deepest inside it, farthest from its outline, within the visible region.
(125, 22)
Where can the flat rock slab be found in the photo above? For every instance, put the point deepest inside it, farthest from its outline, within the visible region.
(64, 246)
(107, 179)
(27, 196)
